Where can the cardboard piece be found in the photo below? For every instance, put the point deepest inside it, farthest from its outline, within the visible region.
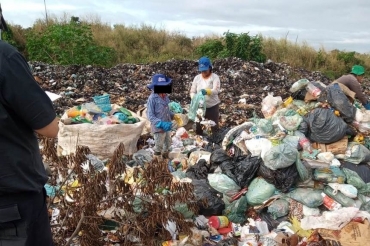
(353, 234)
(338, 147)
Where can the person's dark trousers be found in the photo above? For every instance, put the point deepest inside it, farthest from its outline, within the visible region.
(24, 220)
(213, 114)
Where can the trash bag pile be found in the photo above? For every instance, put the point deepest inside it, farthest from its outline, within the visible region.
(99, 112)
(298, 175)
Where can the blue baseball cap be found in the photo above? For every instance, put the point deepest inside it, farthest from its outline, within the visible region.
(204, 64)
(159, 80)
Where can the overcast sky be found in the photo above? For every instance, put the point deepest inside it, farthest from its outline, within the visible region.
(334, 24)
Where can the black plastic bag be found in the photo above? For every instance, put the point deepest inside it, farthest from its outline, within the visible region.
(227, 168)
(246, 168)
(338, 100)
(283, 179)
(270, 221)
(218, 137)
(303, 127)
(299, 95)
(209, 200)
(198, 171)
(219, 156)
(324, 126)
(363, 170)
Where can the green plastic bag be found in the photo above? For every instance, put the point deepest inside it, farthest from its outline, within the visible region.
(235, 211)
(198, 100)
(365, 190)
(309, 197)
(354, 179)
(304, 170)
(278, 208)
(358, 153)
(222, 183)
(330, 175)
(259, 191)
(339, 197)
(175, 108)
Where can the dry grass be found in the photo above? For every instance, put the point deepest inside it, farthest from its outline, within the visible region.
(144, 43)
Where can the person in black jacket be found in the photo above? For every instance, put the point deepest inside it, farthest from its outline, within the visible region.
(24, 109)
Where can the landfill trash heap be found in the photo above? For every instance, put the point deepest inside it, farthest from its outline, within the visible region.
(291, 169)
(126, 83)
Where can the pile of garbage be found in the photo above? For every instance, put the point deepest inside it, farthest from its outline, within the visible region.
(100, 112)
(295, 173)
(243, 84)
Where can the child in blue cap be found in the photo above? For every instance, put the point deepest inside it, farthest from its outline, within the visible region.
(159, 114)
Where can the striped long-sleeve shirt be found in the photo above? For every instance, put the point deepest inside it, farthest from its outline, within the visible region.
(158, 110)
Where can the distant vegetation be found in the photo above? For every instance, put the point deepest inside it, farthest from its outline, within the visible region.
(68, 40)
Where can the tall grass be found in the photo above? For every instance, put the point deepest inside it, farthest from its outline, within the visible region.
(145, 43)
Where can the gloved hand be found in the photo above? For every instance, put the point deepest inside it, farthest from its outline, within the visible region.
(206, 92)
(165, 125)
(367, 106)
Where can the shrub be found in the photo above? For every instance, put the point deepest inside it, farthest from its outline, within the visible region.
(65, 44)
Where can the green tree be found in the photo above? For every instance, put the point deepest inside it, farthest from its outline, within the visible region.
(65, 44)
(241, 45)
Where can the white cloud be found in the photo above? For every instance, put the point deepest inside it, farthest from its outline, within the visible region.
(336, 24)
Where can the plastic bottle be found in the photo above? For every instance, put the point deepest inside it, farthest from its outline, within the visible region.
(313, 90)
(329, 203)
(218, 222)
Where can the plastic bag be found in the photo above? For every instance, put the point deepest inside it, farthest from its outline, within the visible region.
(331, 220)
(223, 184)
(218, 157)
(245, 169)
(346, 189)
(175, 108)
(214, 203)
(291, 123)
(298, 85)
(338, 100)
(283, 179)
(271, 222)
(142, 157)
(325, 156)
(304, 170)
(259, 191)
(198, 171)
(197, 102)
(280, 156)
(279, 208)
(331, 174)
(264, 126)
(292, 141)
(309, 197)
(324, 126)
(310, 211)
(354, 179)
(365, 190)
(363, 170)
(179, 174)
(195, 156)
(235, 211)
(339, 197)
(357, 153)
(270, 104)
(258, 147)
